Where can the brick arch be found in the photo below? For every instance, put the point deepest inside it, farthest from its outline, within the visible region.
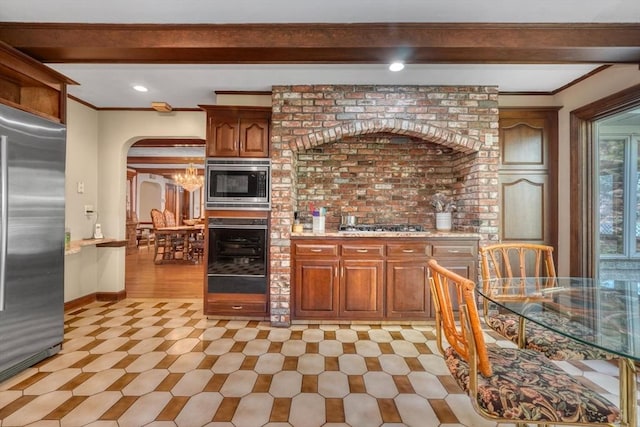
(435, 134)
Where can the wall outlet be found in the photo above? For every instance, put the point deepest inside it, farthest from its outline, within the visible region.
(88, 210)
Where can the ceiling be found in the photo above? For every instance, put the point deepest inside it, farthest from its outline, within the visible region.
(204, 46)
(185, 52)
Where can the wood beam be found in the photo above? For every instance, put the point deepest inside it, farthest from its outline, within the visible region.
(326, 43)
(166, 172)
(164, 160)
(170, 142)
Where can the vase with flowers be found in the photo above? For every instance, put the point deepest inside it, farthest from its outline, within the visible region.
(443, 206)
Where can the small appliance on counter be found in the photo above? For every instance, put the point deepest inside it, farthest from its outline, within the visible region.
(319, 218)
(297, 225)
(97, 232)
(348, 220)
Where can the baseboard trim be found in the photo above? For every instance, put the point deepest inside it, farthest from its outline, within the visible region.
(79, 302)
(96, 296)
(111, 296)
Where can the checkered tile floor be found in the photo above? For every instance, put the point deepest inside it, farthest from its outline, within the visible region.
(151, 363)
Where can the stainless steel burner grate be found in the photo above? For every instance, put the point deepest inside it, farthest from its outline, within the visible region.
(382, 227)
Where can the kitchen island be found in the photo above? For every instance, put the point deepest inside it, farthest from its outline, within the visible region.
(373, 275)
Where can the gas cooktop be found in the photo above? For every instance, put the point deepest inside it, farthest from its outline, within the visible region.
(382, 227)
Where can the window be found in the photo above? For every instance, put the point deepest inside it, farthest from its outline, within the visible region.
(584, 198)
(618, 186)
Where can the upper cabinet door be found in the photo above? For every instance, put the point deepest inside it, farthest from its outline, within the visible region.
(224, 139)
(254, 138)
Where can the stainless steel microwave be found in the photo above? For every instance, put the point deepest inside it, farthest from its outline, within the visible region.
(238, 183)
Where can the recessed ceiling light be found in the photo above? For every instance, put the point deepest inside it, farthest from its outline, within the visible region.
(140, 88)
(396, 66)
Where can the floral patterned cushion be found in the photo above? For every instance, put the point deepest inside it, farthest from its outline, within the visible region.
(552, 344)
(526, 386)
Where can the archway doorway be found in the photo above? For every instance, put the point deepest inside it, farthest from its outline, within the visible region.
(153, 162)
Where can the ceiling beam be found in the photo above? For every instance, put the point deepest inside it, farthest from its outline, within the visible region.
(166, 172)
(170, 142)
(326, 43)
(164, 160)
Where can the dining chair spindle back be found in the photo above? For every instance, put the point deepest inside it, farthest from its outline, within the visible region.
(507, 384)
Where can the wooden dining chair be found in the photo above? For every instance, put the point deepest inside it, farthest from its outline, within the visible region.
(516, 261)
(169, 218)
(157, 219)
(162, 247)
(507, 384)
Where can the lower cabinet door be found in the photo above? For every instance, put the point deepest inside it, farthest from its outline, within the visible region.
(316, 288)
(408, 294)
(361, 287)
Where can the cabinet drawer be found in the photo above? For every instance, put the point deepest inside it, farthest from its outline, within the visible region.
(316, 249)
(362, 250)
(236, 304)
(453, 249)
(408, 249)
(240, 308)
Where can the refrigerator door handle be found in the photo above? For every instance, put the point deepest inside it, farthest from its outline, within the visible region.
(4, 215)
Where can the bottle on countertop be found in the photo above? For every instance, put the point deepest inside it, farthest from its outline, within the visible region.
(297, 226)
(67, 238)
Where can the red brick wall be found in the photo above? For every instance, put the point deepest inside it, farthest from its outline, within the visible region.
(453, 131)
(374, 178)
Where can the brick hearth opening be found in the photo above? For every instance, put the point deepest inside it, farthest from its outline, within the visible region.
(458, 123)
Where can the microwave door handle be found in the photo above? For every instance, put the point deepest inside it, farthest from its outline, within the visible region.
(4, 216)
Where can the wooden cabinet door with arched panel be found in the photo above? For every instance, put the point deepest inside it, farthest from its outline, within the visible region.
(528, 175)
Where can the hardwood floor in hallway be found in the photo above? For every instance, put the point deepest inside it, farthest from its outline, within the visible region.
(144, 279)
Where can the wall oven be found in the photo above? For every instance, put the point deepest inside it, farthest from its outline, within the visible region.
(237, 261)
(238, 183)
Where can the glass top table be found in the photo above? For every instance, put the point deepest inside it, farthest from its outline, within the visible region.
(607, 310)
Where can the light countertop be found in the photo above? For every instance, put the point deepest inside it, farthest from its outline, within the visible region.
(378, 234)
(77, 245)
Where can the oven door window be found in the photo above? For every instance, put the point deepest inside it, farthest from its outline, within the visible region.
(237, 252)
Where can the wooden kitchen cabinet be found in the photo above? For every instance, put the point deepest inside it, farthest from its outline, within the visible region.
(407, 284)
(31, 86)
(459, 256)
(316, 275)
(374, 278)
(361, 281)
(317, 293)
(237, 132)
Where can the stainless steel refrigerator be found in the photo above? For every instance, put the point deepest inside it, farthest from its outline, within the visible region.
(32, 168)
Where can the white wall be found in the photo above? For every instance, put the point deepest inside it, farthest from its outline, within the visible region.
(117, 131)
(82, 159)
(98, 142)
(80, 269)
(97, 145)
(151, 194)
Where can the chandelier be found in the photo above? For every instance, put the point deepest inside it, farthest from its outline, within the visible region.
(189, 180)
